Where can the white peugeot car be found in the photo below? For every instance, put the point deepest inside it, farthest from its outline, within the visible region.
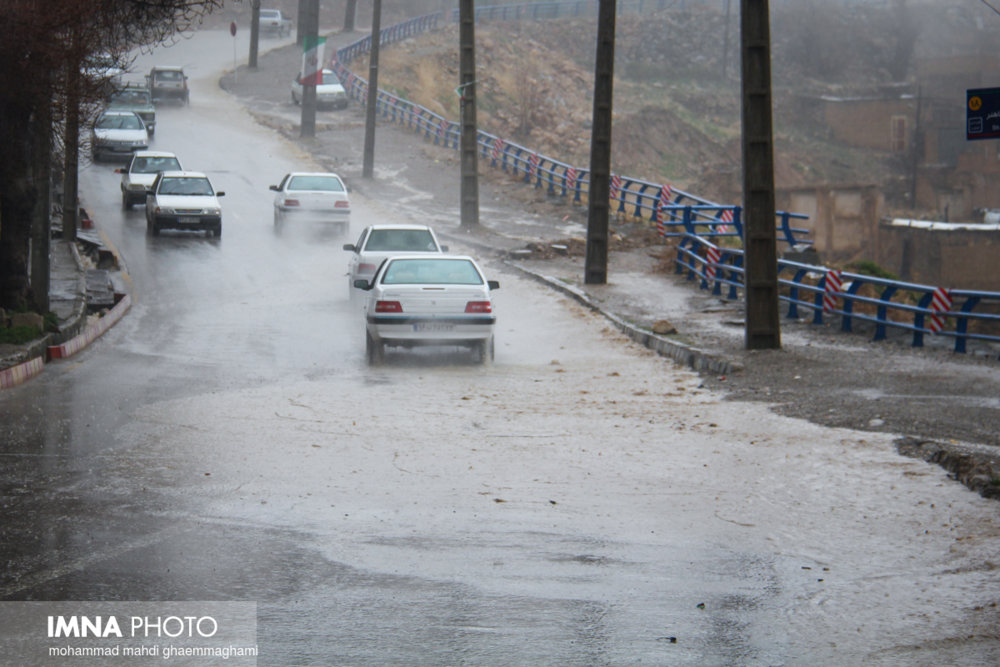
(378, 242)
(328, 93)
(140, 171)
(312, 198)
(417, 300)
(183, 200)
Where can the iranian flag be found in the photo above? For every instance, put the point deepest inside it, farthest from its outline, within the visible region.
(312, 59)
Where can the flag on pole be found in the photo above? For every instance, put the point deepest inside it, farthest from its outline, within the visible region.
(312, 60)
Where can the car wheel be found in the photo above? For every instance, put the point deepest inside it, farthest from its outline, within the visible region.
(218, 231)
(484, 351)
(126, 202)
(156, 229)
(295, 100)
(374, 350)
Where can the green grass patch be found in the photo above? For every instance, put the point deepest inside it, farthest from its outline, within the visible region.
(19, 335)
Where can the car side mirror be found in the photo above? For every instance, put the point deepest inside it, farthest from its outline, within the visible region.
(361, 283)
(220, 194)
(273, 187)
(493, 284)
(119, 170)
(349, 247)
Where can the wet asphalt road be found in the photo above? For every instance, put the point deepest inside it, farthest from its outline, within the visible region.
(582, 502)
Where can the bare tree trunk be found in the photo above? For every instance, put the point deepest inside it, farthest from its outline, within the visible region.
(349, 15)
(16, 200)
(41, 216)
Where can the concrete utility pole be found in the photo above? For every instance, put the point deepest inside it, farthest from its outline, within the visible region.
(310, 22)
(349, 14)
(599, 206)
(368, 169)
(254, 33)
(467, 90)
(763, 330)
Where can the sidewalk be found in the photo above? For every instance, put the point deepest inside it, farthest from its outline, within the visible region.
(79, 289)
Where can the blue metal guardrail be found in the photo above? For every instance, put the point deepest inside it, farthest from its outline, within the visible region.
(633, 196)
(966, 315)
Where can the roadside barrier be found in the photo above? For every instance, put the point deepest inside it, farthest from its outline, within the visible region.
(920, 310)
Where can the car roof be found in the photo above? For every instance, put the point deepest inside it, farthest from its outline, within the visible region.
(176, 68)
(424, 257)
(312, 173)
(400, 226)
(154, 154)
(119, 112)
(183, 174)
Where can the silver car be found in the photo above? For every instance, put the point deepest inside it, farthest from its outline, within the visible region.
(118, 134)
(416, 300)
(138, 174)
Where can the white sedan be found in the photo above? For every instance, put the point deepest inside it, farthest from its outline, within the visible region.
(378, 242)
(328, 93)
(312, 198)
(183, 200)
(119, 134)
(140, 171)
(416, 300)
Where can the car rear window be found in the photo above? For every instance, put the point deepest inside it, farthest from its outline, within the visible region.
(316, 183)
(400, 240)
(432, 272)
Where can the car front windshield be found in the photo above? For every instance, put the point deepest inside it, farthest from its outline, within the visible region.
(431, 272)
(316, 183)
(151, 165)
(400, 240)
(119, 122)
(330, 79)
(185, 185)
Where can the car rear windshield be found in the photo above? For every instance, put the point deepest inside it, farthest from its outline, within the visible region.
(151, 165)
(168, 75)
(400, 240)
(184, 185)
(432, 272)
(320, 183)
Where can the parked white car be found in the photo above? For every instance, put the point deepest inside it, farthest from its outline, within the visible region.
(417, 300)
(329, 93)
(312, 198)
(118, 134)
(379, 242)
(138, 174)
(274, 22)
(183, 200)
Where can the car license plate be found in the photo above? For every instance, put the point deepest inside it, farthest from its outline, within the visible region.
(188, 220)
(433, 326)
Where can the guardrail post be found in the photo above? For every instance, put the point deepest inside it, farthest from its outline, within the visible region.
(793, 294)
(962, 325)
(881, 313)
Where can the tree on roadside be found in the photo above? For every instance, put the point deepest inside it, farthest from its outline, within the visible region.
(46, 90)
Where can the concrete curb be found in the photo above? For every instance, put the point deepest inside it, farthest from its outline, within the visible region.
(686, 355)
(92, 332)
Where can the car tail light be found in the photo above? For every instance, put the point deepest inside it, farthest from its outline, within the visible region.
(291, 202)
(388, 307)
(342, 204)
(479, 307)
(366, 268)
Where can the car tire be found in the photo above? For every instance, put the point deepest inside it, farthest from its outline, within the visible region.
(155, 229)
(485, 351)
(295, 100)
(217, 230)
(374, 350)
(126, 202)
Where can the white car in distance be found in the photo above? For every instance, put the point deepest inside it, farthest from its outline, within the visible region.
(329, 93)
(379, 242)
(312, 198)
(140, 171)
(119, 134)
(418, 300)
(183, 200)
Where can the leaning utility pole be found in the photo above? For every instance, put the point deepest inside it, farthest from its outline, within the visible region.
(368, 168)
(598, 198)
(763, 330)
(467, 96)
(349, 14)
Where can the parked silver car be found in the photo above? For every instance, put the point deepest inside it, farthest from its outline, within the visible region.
(274, 22)
(328, 93)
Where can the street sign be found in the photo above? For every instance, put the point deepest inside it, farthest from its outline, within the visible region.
(232, 28)
(982, 113)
